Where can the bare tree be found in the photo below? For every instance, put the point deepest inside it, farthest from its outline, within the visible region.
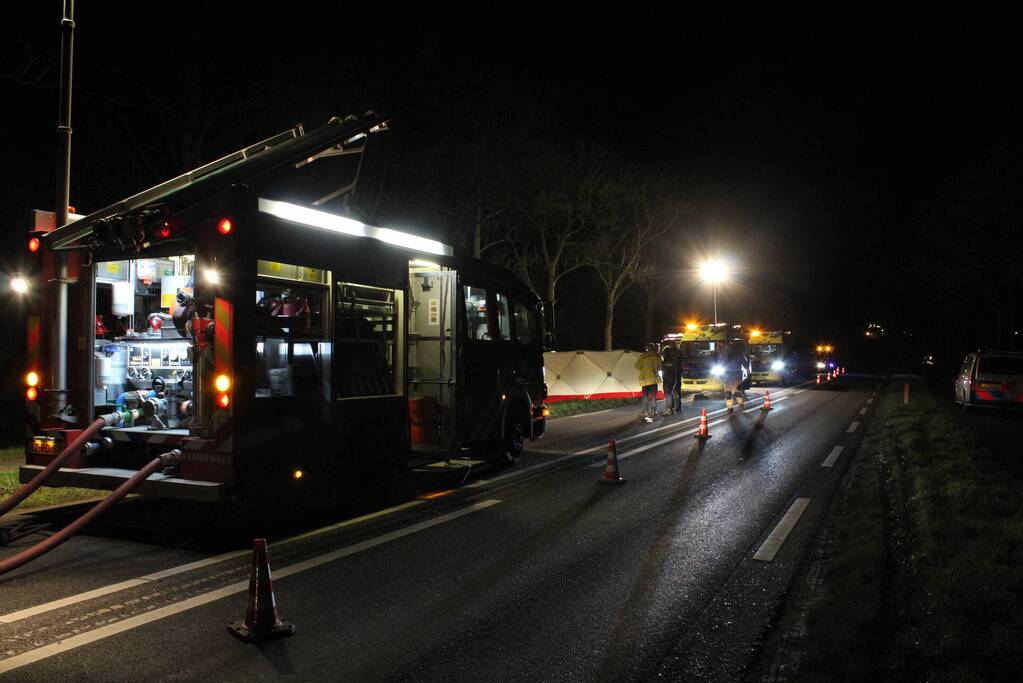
(554, 206)
(639, 210)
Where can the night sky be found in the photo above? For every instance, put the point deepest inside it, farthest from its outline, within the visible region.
(810, 151)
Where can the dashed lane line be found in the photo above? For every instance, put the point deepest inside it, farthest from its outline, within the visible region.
(863, 410)
(770, 547)
(832, 456)
(109, 630)
(853, 427)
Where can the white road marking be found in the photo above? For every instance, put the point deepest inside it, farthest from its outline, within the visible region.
(661, 442)
(853, 427)
(863, 410)
(832, 456)
(94, 635)
(772, 545)
(180, 569)
(675, 425)
(156, 576)
(870, 400)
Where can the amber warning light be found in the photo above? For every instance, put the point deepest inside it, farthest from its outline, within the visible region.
(34, 244)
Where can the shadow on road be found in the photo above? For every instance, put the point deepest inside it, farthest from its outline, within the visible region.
(652, 570)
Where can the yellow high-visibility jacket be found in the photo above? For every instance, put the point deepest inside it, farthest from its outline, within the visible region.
(649, 366)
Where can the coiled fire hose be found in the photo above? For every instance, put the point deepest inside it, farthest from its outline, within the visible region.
(70, 530)
(27, 489)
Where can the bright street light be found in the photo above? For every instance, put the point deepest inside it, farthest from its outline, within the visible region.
(714, 271)
(19, 284)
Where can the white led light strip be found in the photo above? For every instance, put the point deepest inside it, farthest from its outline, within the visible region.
(314, 218)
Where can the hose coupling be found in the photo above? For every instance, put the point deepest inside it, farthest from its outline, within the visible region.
(170, 457)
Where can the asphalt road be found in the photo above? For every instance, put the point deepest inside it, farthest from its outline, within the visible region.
(534, 573)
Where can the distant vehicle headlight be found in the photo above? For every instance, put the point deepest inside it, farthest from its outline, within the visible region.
(777, 365)
(717, 371)
(821, 366)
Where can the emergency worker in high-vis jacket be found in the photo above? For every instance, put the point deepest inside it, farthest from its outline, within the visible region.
(649, 366)
(732, 378)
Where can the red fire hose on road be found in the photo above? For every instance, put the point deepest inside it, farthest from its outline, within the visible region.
(67, 532)
(72, 448)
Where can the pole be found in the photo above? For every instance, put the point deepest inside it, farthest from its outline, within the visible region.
(59, 336)
(67, 42)
(714, 289)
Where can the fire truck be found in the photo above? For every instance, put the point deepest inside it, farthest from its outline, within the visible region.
(701, 348)
(279, 349)
(768, 357)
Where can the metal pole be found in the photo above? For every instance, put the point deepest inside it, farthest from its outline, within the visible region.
(714, 289)
(67, 27)
(59, 336)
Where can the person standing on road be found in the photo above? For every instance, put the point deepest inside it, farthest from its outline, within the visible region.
(732, 378)
(649, 366)
(669, 373)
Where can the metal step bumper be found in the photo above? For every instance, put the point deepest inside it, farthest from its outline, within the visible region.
(110, 478)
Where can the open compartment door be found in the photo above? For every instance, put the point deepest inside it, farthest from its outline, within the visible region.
(431, 356)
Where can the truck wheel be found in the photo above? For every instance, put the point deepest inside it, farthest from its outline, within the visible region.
(511, 446)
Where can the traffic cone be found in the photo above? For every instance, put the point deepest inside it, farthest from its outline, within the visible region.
(818, 378)
(611, 474)
(261, 619)
(767, 400)
(703, 432)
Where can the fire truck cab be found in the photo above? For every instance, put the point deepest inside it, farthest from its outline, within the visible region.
(288, 351)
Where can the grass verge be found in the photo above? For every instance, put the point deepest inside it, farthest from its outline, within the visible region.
(924, 579)
(10, 459)
(566, 408)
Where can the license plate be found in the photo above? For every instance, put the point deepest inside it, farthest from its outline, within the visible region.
(990, 386)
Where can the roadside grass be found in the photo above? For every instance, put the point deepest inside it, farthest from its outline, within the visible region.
(11, 459)
(578, 407)
(924, 581)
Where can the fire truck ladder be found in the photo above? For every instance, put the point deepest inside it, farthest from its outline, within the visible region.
(293, 146)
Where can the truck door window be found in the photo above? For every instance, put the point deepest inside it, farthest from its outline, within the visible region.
(366, 329)
(476, 327)
(525, 324)
(503, 318)
(293, 350)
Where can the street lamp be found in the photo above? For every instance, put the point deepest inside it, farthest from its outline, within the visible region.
(714, 271)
